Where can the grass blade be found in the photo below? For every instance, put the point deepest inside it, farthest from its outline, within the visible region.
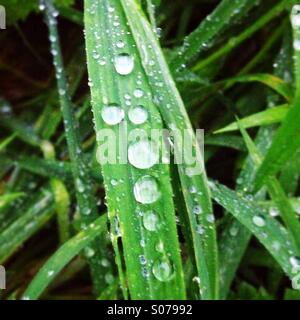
(62, 257)
(175, 116)
(154, 274)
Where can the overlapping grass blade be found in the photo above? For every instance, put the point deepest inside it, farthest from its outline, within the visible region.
(263, 118)
(287, 139)
(84, 192)
(62, 257)
(151, 252)
(175, 116)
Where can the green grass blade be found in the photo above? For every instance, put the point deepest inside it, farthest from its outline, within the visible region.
(235, 41)
(266, 229)
(84, 193)
(62, 257)
(263, 118)
(204, 35)
(152, 273)
(287, 140)
(174, 115)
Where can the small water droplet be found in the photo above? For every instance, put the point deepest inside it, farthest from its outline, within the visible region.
(150, 221)
(120, 44)
(295, 262)
(143, 260)
(146, 190)
(163, 270)
(259, 221)
(124, 64)
(138, 93)
(112, 114)
(138, 115)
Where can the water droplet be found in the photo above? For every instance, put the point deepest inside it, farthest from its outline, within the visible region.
(124, 64)
(295, 262)
(120, 44)
(210, 218)
(273, 212)
(138, 93)
(143, 260)
(50, 273)
(160, 247)
(143, 154)
(199, 229)
(163, 270)
(138, 115)
(197, 209)
(259, 221)
(112, 114)
(150, 221)
(233, 231)
(89, 252)
(295, 17)
(146, 190)
(296, 45)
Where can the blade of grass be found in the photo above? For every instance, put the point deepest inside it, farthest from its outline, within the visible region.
(287, 139)
(62, 257)
(263, 118)
(151, 273)
(174, 115)
(84, 193)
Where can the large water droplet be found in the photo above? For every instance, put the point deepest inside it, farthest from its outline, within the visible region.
(259, 221)
(124, 64)
(138, 115)
(146, 190)
(150, 220)
(143, 154)
(163, 270)
(112, 114)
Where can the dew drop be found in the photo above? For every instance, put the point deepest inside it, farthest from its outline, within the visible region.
(163, 270)
(143, 154)
(112, 114)
(124, 64)
(295, 262)
(143, 260)
(120, 44)
(138, 115)
(295, 17)
(138, 93)
(146, 190)
(259, 221)
(150, 221)
(197, 209)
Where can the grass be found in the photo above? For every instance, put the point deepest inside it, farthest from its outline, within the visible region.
(74, 226)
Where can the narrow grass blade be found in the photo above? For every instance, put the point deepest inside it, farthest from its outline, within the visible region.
(151, 252)
(263, 118)
(174, 115)
(205, 34)
(266, 229)
(287, 140)
(62, 257)
(235, 41)
(84, 193)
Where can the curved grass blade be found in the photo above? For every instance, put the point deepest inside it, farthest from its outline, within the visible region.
(263, 118)
(174, 115)
(235, 41)
(287, 139)
(83, 186)
(62, 257)
(204, 35)
(151, 252)
(266, 229)
(22, 228)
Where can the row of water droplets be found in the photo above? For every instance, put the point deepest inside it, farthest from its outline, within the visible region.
(142, 154)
